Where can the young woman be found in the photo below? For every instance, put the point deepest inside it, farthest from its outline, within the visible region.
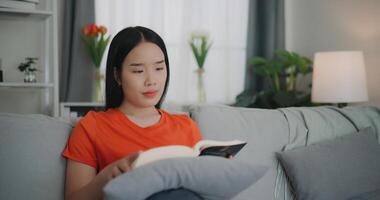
(103, 145)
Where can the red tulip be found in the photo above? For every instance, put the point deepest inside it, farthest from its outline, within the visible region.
(95, 45)
(102, 30)
(86, 30)
(93, 30)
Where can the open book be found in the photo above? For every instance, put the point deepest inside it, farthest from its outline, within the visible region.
(202, 148)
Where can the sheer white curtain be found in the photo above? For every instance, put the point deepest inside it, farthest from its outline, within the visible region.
(175, 20)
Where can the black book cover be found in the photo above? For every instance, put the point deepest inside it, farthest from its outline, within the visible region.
(222, 151)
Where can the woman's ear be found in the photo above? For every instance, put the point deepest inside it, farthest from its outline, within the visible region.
(116, 75)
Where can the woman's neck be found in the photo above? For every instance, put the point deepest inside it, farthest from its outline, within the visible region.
(140, 112)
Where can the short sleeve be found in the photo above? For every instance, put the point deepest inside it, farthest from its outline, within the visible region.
(81, 144)
(196, 133)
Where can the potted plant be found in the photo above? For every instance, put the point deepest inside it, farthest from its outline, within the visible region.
(200, 44)
(282, 73)
(29, 67)
(96, 41)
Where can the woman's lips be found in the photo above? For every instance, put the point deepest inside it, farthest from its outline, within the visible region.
(150, 94)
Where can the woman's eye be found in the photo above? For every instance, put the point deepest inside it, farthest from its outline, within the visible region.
(159, 68)
(138, 71)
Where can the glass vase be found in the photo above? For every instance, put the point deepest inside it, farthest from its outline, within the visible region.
(30, 76)
(98, 96)
(200, 86)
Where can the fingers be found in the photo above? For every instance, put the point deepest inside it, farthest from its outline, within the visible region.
(124, 165)
(121, 166)
(116, 172)
(132, 157)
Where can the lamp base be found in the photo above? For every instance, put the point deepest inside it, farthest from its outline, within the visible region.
(341, 105)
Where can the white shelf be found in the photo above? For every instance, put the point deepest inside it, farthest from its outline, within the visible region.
(26, 85)
(40, 13)
(79, 104)
(78, 109)
(30, 33)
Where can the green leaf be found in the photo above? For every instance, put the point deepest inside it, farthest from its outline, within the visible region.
(245, 99)
(262, 71)
(96, 47)
(258, 61)
(200, 52)
(196, 55)
(285, 99)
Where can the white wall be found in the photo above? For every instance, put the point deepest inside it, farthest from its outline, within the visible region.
(329, 25)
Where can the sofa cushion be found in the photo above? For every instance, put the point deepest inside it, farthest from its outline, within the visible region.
(30, 153)
(342, 168)
(213, 178)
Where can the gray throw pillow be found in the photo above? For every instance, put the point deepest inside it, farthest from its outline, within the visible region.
(335, 169)
(213, 178)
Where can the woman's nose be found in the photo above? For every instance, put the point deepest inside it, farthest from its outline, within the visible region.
(150, 84)
(149, 79)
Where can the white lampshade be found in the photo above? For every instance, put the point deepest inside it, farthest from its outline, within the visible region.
(339, 77)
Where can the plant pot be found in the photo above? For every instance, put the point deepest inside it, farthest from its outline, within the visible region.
(200, 87)
(30, 76)
(98, 95)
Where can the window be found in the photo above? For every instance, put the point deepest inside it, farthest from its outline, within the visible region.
(175, 20)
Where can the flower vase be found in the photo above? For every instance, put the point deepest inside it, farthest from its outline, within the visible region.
(98, 96)
(30, 76)
(200, 85)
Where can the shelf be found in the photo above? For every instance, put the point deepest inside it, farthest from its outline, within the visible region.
(79, 109)
(37, 13)
(30, 32)
(25, 85)
(79, 104)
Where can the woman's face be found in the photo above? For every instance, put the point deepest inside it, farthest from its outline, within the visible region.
(143, 75)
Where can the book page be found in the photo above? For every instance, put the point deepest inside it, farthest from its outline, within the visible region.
(160, 153)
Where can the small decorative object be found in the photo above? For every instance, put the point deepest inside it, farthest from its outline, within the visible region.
(29, 68)
(96, 42)
(200, 45)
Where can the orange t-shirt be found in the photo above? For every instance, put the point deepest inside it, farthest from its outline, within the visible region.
(101, 138)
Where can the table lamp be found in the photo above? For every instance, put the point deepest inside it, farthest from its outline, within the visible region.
(339, 77)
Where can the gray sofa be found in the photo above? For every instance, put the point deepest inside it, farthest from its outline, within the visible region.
(30, 145)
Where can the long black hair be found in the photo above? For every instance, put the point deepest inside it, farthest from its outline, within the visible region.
(121, 45)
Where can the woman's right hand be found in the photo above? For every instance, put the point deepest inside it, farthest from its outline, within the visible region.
(117, 168)
(82, 181)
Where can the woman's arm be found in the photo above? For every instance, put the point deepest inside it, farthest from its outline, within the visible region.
(83, 183)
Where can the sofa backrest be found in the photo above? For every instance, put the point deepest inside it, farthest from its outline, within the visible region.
(30, 155)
